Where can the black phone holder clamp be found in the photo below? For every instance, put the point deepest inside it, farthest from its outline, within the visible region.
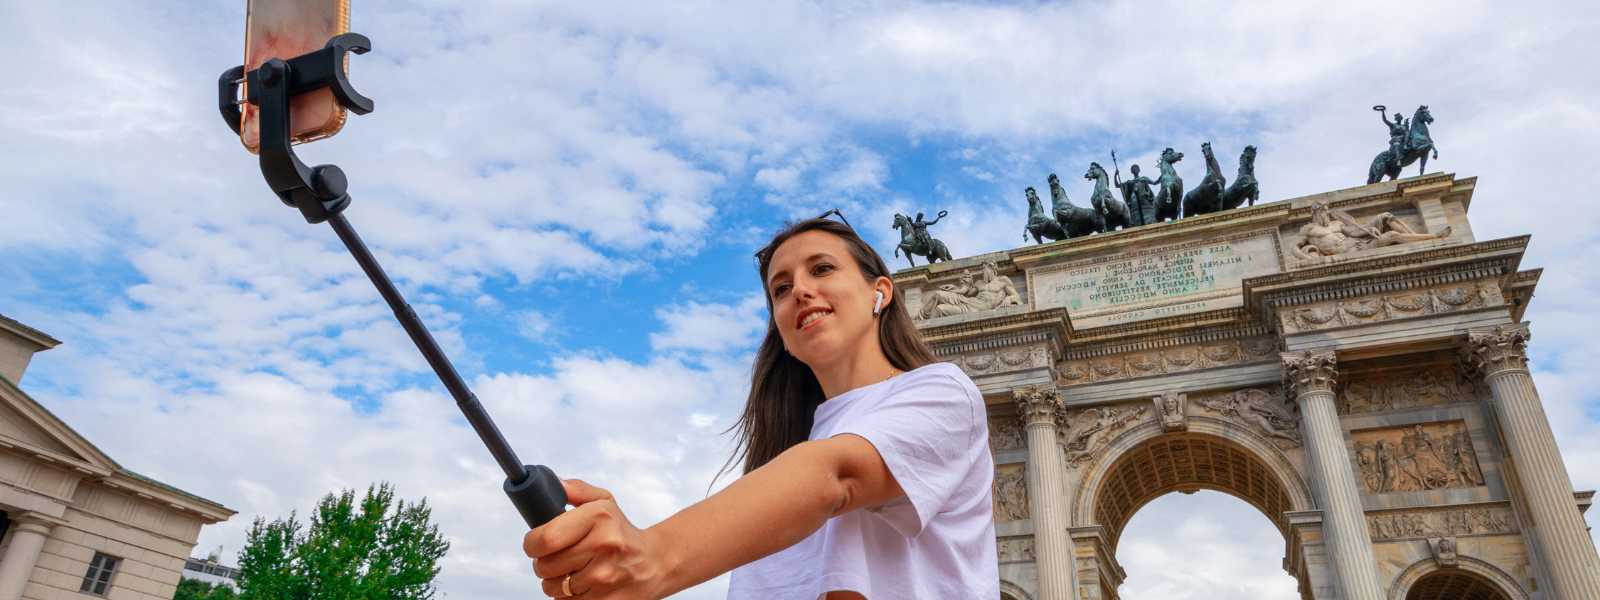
(321, 194)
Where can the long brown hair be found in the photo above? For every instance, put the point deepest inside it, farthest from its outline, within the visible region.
(784, 393)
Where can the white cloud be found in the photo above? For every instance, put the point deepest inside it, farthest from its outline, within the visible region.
(712, 327)
(1203, 546)
(534, 325)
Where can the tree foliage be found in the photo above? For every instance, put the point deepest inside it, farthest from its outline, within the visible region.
(351, 550)
(194, 589)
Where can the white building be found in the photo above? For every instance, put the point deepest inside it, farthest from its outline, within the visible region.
(73, 522)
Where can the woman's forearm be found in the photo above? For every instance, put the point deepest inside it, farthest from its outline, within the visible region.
(765, 511)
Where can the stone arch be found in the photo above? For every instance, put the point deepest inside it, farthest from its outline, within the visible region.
(1212, 454)
(1012, 591)
(1427, 576)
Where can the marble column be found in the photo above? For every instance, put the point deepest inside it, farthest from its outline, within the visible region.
(1310, 376)
(1048, 507)
(1500, 355)
(28, 532)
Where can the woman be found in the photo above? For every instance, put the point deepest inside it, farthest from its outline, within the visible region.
(867, 470)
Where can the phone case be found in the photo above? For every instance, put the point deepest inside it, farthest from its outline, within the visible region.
(286, 29)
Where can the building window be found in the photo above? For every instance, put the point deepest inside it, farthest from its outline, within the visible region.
(98, 579)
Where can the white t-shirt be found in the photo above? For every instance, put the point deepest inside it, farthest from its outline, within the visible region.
(938, 541)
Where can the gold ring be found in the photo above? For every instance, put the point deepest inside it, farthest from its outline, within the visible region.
(566, 587)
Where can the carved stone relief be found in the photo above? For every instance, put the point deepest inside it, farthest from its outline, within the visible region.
(1262, 410)
(1384, 307)
(1088, 429)
(1015, 549)
(1005, 434)
(1172, 407)
(1440, 523)
(1403, 388)
(1444, 551)
(1333, 232)
(970, 294)
(1010, 495)
(1010, 359)
(1170, 360)
(1415, 458)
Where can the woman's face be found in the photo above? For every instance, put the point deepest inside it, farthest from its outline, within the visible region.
(821, 302)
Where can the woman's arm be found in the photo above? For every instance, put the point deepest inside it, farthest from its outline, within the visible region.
(765, 511)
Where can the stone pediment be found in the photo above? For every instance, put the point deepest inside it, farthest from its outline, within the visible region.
(29, 428)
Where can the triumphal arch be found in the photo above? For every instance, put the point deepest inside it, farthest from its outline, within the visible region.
(1353, 364)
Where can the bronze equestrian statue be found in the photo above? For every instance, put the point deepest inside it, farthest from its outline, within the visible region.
(1408, 143)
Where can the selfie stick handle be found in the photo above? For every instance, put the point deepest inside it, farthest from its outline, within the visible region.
(320, 194)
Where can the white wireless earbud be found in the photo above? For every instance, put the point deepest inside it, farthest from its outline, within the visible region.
(878, 305)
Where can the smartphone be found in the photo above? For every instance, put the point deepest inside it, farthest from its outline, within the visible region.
(286, 29)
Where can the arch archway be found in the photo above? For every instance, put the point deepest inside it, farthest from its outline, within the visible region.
(1468, 579)
(1012, 591)
(1145, 462)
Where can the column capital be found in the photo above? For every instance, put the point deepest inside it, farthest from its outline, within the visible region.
(1309, 371)
(1497, 349)
(1038, 404)
(36, 522)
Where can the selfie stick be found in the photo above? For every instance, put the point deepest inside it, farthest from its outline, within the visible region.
(320, 194)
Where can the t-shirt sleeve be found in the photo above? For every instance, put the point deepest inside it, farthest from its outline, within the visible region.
(925, 430)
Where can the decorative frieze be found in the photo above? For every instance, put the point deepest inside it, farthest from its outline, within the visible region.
(1502, 348)
(1264, 411)
(1309, 372)
(1000, 361)
(1385, 307)
(1010, 495)
(1416, 458)
(1088, 429)
(1423, 524)
(1178, 359)
(1399, 389)
(1017, 549)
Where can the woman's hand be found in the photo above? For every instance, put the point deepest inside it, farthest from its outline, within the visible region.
(605, 555)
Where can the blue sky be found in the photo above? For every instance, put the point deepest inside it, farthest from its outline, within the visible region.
(570, 194)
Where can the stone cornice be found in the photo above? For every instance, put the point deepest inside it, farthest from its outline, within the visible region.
(1165, 333)
(40, 338)
(1496, 259)
(1497, 350)
(154, 491)
(1309, 372)
(1518, 291)
(1001, 331)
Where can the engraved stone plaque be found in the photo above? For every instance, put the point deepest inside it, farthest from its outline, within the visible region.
(1155, 282)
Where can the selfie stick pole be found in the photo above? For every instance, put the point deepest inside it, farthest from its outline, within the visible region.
(320, 194)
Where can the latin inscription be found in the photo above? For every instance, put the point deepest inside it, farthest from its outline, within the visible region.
(1153, 276)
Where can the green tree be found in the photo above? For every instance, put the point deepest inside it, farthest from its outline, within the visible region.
(350, 551)
(194, 589)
